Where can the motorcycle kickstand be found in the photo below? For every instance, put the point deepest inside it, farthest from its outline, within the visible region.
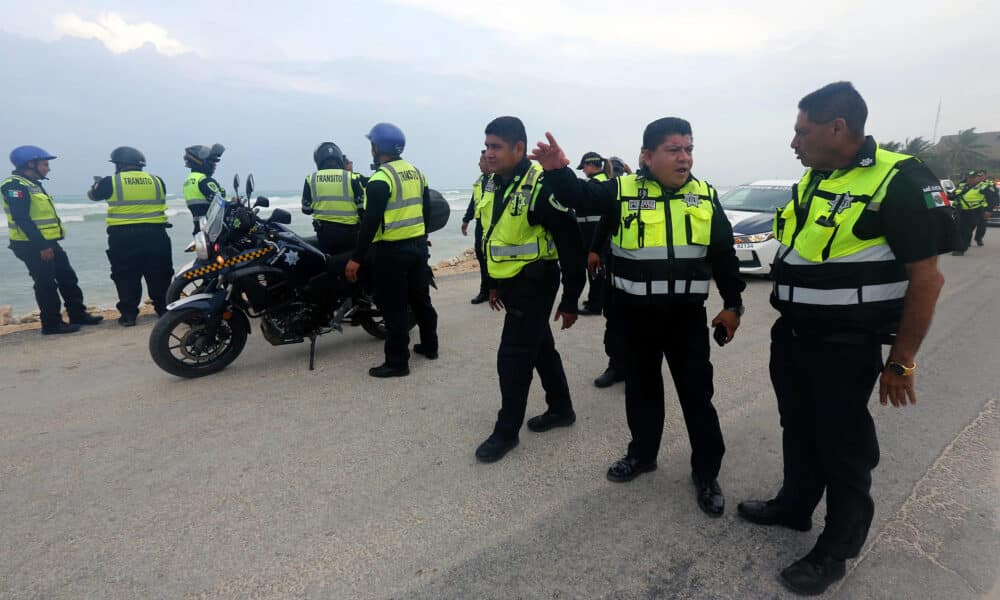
(312, 351)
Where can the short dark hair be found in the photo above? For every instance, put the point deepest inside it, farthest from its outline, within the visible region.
(658, 130)
(837, 100)
(509, 129)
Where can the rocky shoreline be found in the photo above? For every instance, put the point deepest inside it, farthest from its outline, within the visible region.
(9, 323)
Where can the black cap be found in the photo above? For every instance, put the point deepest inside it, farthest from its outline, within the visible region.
(591, 158)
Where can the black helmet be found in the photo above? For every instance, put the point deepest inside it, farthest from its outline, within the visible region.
(327, 152)
(127, 155)
(200, 155)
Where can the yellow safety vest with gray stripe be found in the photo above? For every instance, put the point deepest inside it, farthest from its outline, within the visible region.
(661, 244)
(192, 191)
(513, 243)
(972, 197)
(333, 196)
(136, 197)
(600, 177)
(477, 197)
(821, 261)
(42, 212)
(404, 214)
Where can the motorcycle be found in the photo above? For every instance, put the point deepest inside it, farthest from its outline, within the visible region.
(251, 267)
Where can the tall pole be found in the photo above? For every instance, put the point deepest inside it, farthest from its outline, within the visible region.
(937, 120)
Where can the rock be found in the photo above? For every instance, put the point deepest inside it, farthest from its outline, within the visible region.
(6, 314)
(452, 262)
(441, 264)
(469, 252)
(29, 318)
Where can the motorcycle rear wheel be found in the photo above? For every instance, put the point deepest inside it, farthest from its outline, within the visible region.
(180, 347)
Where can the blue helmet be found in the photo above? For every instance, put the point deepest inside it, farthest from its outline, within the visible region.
(387, 139)
(22, 155)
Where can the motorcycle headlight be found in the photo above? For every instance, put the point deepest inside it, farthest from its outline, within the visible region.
(201, 246)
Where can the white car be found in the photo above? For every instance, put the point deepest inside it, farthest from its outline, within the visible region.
(751, 209)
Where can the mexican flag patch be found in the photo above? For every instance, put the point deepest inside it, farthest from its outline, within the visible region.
(935, 198)
(15, 194)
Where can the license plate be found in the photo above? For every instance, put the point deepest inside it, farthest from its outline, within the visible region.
(744, 246)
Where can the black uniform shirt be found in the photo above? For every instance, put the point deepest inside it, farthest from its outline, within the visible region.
(601, 198)
(558, 221)
(18, 198)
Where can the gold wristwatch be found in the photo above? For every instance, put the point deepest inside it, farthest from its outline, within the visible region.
(901, 369)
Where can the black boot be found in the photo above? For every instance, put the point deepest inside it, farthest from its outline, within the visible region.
(86, 319)
(550, 420)
(60, 327)
(710, 498)
(608, 378)
(480, 298)
(495, 447)
(813, 573)
(384, 370)
(772, 512)
(420, 349)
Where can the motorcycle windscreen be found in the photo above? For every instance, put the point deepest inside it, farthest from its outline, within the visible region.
(440, 211)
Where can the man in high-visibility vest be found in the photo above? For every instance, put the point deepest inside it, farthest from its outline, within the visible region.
(200, 187)
(529, 241)
(333, 195)
(594, 168)
(397, 204)
(974, 197)
(473, 212)
(670, 239)
(138, 244)
(856, 268)
(34, 229)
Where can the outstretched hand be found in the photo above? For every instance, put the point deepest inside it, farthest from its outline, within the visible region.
(549, 155)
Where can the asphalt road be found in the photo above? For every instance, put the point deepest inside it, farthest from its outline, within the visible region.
(267, 480)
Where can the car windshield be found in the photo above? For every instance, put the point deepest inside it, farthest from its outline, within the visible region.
(214, 218)
(756, 198)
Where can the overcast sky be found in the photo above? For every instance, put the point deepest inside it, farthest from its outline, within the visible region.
(272, 81)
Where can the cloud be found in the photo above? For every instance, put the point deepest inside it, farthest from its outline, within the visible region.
(117, 35)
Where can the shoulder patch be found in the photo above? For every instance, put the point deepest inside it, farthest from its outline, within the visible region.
(15, 193)
(555, 204)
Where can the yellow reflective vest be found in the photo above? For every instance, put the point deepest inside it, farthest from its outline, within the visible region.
(333, 196)
(42, 212)
(404, 214)
(192, 191)
(972, 197)
(822, 266)
(512, 242)
(661, 244)
(477, 197)
(136, 197)
(599, 177)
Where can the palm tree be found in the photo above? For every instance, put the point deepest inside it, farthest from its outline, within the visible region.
(891, 146)
(918, 147)
(964, 152)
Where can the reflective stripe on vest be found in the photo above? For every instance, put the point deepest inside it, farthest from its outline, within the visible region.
(42, 212)
(819, 256)
(333, 196)
(973, 198)
(593, 218)
(137, 197)
(404, 213)
(662, 237)
(512, 242)
(192, 191)
(843, 296)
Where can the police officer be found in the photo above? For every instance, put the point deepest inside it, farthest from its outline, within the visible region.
(199, 187)
(332, 196)
(35, 230)
(856, 268)
(525, 233)
(593, 166)
(670, 236)
(397, 204)
(138, 244)
(349, 166)
(473, 212)
(973, 198)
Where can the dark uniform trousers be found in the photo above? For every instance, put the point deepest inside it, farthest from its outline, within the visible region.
(968, 222)
(137, 252)
(336, 238)
(612, 337)
(51, 278)
(402, 279)
(481, 258)
(828, 435)
(595, 283)
(678, 332)
(981, 227)
(527, 345)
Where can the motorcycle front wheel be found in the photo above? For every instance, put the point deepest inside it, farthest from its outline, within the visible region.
(182, 288)
(181, 345)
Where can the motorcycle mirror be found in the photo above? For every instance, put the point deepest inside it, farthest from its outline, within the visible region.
(262, 202)
(236, 184)
(282, 216)
(249, 185)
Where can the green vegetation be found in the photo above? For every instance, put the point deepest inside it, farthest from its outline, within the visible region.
(953, 156)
